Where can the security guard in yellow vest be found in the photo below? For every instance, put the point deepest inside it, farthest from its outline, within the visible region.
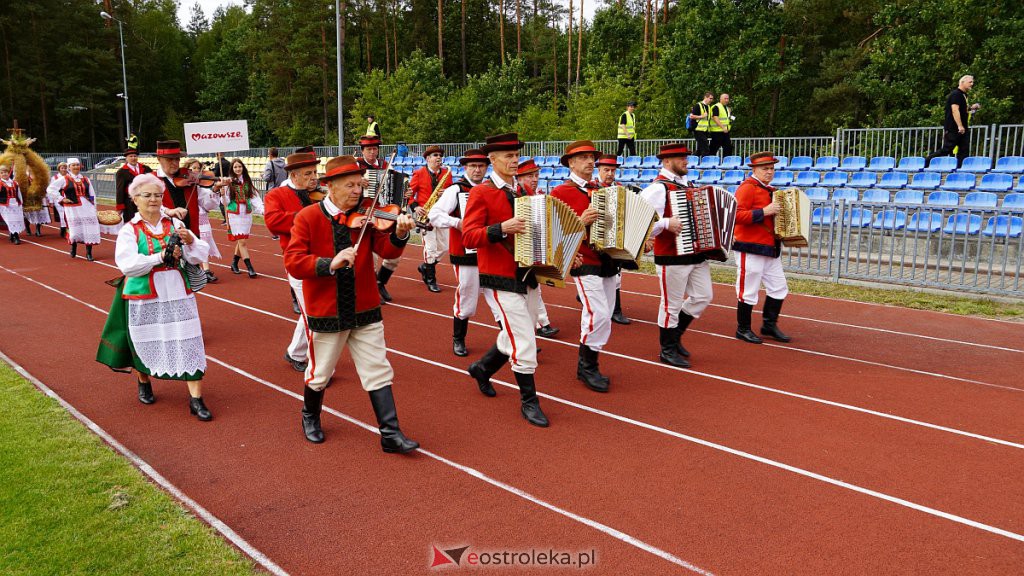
(701, 114)
(627, 130)
(721, 126)
(372, 128)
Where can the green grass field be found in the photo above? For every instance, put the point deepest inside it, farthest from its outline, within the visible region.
(70, 505)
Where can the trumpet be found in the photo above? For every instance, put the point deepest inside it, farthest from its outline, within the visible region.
(423, 220)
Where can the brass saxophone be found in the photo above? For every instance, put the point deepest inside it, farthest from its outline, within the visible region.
(424, 220)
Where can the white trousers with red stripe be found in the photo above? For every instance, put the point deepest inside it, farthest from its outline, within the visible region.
(597, 295)
(518, 315)
(435, 245)
(752, 270)
(684, 287)
(467, 294)
(369, 356)
(542, 310)
(298, 348)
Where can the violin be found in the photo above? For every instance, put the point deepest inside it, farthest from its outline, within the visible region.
(186, 178)
(383, 217)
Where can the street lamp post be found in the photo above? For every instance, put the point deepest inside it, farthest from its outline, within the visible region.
(124, 76)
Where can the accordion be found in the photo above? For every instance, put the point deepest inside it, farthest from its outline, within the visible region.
(624, 222)
(553, 235)
(708, 216)
(393, 186)
(793, 222)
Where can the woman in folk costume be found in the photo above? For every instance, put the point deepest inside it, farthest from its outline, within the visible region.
(58, 208)
(241, 202)
(205, 228)
(153, 328)
(76, 193)
(11, 204)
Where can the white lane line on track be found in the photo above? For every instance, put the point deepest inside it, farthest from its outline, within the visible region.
(661, 365)
(258, 556)
(143, 466)
(629, 421)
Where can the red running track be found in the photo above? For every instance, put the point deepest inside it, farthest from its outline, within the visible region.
(882, 440)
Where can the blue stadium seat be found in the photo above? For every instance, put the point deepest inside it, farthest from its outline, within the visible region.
(969, 224)
(824, 216)
(834, 179)
(546, 173)
(542, 186)
(859, 217)
(981, 200)
(1010, 165)
(1020, 185)
(458, 171)
(1013, 201)
(732, 189)
(692, 161)
(710, 176)
(825, 163)
(925, 222)
(799, 163)
(648, 174)
(731, 177)
(908, 197)
(995, 183)
(894, 180)
(976, 164)
(959, 182)
(876, 195)
(847, 194)
(708, 162)
(731, 163)
(1004, 226)
(628, 175)
(853, 164)
(782, 178)
(910, 164)
(806, 179)
(817, 194)
(650, 162)
(890, 220)
(863, 180)
(881, 164)
(941, 164)
(925, 181)
(943, 198)
(556, 160)
(452, 160)
(783, 163)
(561, 173)
(632, 162)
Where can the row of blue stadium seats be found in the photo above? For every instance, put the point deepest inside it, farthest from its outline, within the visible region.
(994, 182)
(922, 221)
(940, 199)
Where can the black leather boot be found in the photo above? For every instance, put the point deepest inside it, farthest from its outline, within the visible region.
(295, 303)
(312, 404)
(617, 315)
(429, 274)
(547, 331)
(587, 370)
(146, 392)
(88, 252)
(770, 316)
(74, 249)
(485, 367)
(63, 232)
(670, 355)
(234, 264)
(531, 404)
(39, 229)
(460, 327)
(248, 266)
(681, 326)
(383, 275)
(391, 438)
(198, 409)
(743, 331)
(16, 238)
(211, 277)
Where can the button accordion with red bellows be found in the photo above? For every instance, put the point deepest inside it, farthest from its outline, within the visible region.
(708, 216)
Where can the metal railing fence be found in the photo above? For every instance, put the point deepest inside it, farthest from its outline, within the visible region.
(900, 142)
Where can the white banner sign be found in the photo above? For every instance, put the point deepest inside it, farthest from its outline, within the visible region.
(210, 137)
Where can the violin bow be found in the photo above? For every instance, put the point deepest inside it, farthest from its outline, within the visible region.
(373, 204)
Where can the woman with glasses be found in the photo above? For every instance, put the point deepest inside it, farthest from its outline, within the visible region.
(153, 328)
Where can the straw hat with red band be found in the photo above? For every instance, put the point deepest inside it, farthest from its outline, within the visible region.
(433, 149)
(609, 160)
(500, 142)
(342, 166)
(299, 160)
(528, 167)
(365, 141)
(578, 148)
(168, 149)
(762, 159)
(675, 150)
(474, 155)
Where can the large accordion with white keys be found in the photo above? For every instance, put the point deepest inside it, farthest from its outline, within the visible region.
(708, 216)
(394, 186)
(624, 222)
(553, 236)
(793, 222)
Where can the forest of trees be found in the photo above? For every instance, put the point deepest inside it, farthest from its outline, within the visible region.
(456, 70)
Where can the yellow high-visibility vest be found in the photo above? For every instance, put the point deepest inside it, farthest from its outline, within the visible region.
(628, 130)
(371, 130)
(723, 117)
(704, 124)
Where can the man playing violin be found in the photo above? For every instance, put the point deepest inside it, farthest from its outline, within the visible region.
(185, 192)
(280, 207)
(331, 252)
(370, 160)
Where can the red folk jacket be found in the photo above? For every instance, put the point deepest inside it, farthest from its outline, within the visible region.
(487, 208)
(347, 298)
(594, 263)
(754, 232)
(423, 183)
(279, 209)
(186, 197)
